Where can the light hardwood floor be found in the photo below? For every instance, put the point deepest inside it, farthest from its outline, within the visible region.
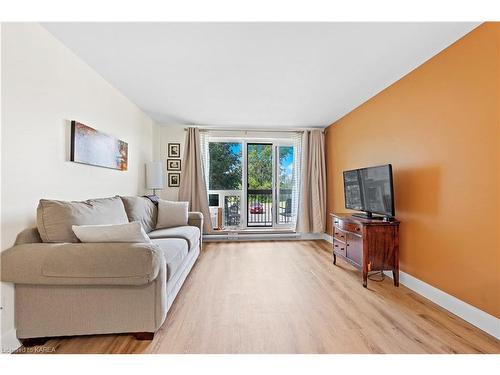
(287, 297)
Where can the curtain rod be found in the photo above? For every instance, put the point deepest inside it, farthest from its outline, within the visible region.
(279, 130)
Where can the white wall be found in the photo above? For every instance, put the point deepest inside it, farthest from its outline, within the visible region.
(163, 135)
(44, 87)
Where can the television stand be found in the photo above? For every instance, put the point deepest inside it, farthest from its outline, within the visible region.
(368, 244)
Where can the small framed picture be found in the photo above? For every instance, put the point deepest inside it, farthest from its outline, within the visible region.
(174, 150)
(173, 164)
(174, 179)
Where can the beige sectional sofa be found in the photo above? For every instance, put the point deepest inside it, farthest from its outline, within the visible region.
(65, 288)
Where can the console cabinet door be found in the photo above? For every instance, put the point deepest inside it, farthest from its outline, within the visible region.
(354, 250)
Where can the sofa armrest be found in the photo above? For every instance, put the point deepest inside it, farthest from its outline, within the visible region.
(195, 219)
(29, 235)
(81, 263)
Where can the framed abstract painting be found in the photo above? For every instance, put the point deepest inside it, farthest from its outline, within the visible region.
(92, 147)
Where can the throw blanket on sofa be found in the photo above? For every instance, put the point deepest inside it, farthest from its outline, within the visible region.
(153, 198)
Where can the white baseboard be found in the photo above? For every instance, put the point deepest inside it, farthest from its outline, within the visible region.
(249, 237)
(327, 237)
(481, 319)
(261, 236)
(311, 236)
(9, 342)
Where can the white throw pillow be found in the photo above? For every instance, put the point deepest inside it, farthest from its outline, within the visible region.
(172, 214)
(129, 232)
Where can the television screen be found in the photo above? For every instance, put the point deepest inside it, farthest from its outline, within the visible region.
(370, 190)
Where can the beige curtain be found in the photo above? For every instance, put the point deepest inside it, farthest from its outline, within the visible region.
(192, 187)
(311, 213)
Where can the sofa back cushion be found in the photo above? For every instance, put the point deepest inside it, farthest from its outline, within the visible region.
(55, 218)
(172, 214)
(141, 209)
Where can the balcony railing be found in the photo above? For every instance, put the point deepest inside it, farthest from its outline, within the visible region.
(259, 209)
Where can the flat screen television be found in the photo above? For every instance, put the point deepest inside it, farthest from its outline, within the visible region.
(370, 190)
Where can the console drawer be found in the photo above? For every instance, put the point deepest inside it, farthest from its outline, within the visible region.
(339, 234)
(347, 226)
(339, 247)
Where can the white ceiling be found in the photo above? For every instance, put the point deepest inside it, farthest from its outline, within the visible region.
(254, 74)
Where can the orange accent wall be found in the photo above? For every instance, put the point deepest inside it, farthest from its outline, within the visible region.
(439, 127)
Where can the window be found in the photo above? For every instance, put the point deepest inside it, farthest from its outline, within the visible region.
(251, 182)
(224, 166)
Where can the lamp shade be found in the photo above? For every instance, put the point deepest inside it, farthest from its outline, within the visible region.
(154, 175)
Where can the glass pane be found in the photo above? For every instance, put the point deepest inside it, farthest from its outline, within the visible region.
(232, 213)
(225, 183)
(213, 200)
(286, 184)
(225, 166)
(260, 166)
(260, 184)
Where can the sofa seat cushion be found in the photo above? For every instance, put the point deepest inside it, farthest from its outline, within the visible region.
(55, 218)
(174, 252)
(186, 232)
(141, 209)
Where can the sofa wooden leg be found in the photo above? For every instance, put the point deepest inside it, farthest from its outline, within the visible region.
(33, 341)
(144, 335)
